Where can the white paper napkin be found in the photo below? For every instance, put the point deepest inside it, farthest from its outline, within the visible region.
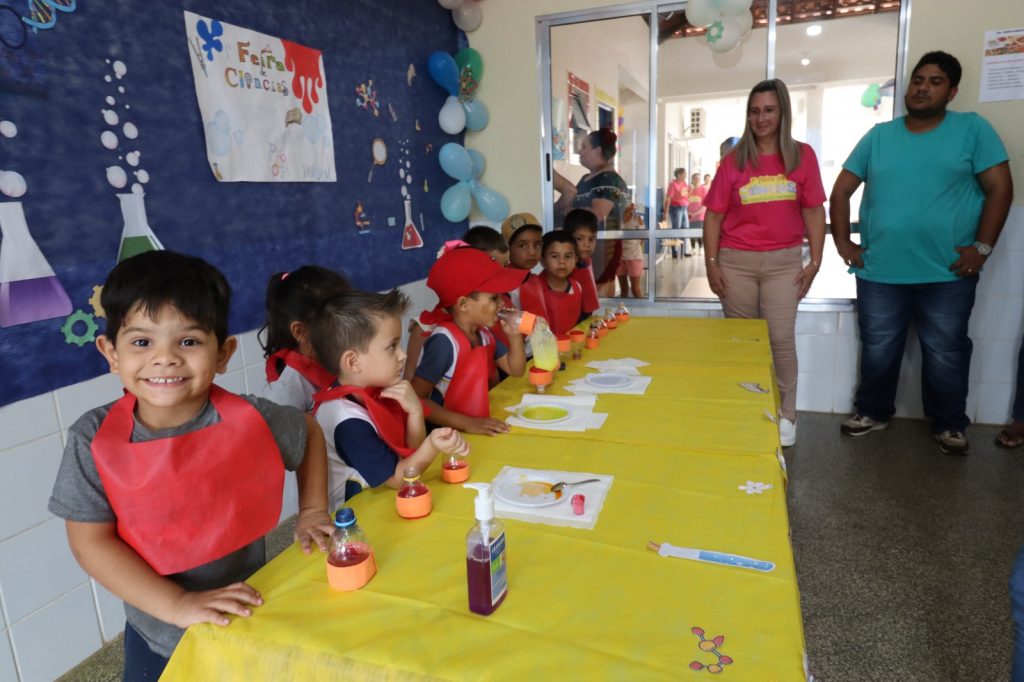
(637, 386)
(581, 413)
(618, 365)
(559, 514)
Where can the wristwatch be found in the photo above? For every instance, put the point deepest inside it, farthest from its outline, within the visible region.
(983, 248)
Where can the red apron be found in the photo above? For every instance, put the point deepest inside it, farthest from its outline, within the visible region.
(564, 307)
(185, 501)
(387, 415)
(306, 366)
(585, 277)
(531, 297)
(468, 389)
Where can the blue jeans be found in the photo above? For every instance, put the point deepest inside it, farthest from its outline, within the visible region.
(140, 662)
(940, 311)
(1018, 402)
(678, 217)
(1017, 606)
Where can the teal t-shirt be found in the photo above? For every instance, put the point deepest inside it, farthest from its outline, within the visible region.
(921, 197)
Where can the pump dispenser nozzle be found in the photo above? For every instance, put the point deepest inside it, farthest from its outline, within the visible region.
(484, 503)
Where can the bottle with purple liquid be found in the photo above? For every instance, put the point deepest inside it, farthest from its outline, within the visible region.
(486, 561)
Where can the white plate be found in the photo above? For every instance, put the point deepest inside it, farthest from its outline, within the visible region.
(608, 380)
(543, 414)
(527, 491)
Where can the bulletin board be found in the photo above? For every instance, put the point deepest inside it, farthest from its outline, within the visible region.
(82, 64)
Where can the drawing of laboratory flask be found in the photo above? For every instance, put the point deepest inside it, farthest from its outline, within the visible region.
(411, 238)
(137, 236)
(29, 288)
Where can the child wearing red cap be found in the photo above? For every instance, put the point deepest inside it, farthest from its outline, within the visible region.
(458, 363)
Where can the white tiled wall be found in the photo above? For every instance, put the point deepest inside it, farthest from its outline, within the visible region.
(52, 616)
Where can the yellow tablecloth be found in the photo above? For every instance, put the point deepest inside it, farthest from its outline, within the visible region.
(582, 604)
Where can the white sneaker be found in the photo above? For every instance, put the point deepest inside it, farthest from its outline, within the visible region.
(787, 432)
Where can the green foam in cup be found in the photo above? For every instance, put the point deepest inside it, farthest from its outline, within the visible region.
(544, 413)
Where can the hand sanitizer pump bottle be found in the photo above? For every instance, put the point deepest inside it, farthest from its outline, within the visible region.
(486, 563)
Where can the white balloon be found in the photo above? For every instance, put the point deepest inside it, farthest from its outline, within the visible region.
(723, 35)
(731, 8)
(452, 117)
(449, 4)
(727, 60)
(468, 15)
(700, 13)
(746, 23)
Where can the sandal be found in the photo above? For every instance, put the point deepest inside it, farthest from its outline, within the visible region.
(1009, 439)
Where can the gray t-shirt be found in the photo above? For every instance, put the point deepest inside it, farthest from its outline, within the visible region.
(78, 495)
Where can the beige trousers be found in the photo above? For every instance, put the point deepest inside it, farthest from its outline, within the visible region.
(761, 287)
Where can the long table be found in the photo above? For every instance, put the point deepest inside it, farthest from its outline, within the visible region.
(581, 604)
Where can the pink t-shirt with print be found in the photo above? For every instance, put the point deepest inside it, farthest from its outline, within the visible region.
(762, 204)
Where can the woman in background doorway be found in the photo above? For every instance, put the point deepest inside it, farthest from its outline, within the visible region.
(602, 191)
(676, 203)
(766, 194)
(695, 209)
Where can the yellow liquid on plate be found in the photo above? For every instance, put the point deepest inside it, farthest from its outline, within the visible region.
(544, 413)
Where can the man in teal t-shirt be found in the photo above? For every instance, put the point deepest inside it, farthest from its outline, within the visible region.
(937, 192)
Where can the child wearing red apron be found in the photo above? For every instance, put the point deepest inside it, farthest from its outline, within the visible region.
(553, 294)
(168, 491)
(459, 359)
(293, 374)
(372, 420)
(582, 225)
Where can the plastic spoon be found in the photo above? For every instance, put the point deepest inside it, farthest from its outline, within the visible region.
(557, 487)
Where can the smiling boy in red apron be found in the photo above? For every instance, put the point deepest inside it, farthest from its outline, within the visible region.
(458, 363)
(372, 419)
(168, 492)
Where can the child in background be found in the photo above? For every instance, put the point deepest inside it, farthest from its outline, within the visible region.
(458, 363)
(553, 294)
(481, 238)
(488, 240)
(524, 246)
(631, 267)
(675, 209)
(293, 374)
(168, 492)
(372, 419)
(582, 225)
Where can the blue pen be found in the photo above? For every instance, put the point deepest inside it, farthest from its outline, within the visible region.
(710, 557)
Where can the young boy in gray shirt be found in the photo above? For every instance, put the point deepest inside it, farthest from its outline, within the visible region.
(168, 492)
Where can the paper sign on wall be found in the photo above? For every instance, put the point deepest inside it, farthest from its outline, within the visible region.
(1002, 67)
(263, 101)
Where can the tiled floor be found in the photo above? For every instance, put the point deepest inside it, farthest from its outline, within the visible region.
(903, 555)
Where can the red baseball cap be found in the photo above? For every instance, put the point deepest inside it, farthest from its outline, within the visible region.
(461, 271)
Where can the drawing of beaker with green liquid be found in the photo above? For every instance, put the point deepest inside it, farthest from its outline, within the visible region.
(137, 236)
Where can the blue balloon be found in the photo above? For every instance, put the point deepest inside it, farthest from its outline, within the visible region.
(477, 116)
(455, 202)
(456, 161)
(478, 163)
(492, 204)
(444, 71)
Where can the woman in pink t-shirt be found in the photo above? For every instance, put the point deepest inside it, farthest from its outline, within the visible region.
(766, 195)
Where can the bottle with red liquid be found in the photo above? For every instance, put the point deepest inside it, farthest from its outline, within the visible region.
(413, 501)
(486, 562)
(455, 469)
(350, 563)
